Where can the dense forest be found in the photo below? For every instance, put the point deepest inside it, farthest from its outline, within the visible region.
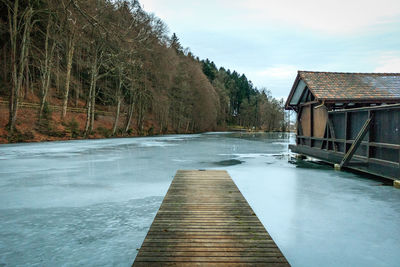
(87, 68)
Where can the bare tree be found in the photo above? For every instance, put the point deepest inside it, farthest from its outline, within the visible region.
(118, 97)
(70, 41)
(143, 99)
(46, 65)
(94, 71)
(132, 94)
(99, 61)
(20, 26)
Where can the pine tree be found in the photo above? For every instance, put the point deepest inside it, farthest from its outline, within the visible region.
(175, 44)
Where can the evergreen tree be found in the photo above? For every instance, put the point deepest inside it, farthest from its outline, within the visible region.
(175, 44)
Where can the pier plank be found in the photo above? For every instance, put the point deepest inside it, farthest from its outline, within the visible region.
(204, 220)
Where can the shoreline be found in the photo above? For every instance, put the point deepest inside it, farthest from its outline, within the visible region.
(98, 137)
(72, 127)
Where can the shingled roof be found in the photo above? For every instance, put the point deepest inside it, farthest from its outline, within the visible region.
(350, 87)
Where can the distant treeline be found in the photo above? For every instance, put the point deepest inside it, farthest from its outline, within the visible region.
(113, 53)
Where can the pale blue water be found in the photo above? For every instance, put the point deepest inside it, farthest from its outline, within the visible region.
(90, 203)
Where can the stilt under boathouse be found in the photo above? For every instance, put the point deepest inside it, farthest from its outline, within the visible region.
(351, 120)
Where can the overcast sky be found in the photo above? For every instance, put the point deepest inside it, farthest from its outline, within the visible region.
(269, 40)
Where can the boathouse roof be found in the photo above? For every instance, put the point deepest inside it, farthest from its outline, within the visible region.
(335, 87)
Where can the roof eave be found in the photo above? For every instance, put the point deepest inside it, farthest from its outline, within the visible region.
(361, 100)
(296, 81)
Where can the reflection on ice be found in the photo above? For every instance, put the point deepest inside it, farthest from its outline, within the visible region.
(91, 202)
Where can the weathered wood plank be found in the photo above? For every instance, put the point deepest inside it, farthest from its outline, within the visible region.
(210, 228)
(208, 245)
(253, 242)
(208, 249)
(214, 264)
(210, 254)
(238, 259)
(204, 220)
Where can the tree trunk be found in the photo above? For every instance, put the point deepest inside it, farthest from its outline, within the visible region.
(117, 116)
(91, 95)
(187, 126)
(45, 90)
(26, 80)
(46, 69)
(70, 55)
(118, 96)
(58, 72)
(18, 66)
(13, 102)
(93, 109)
(78, 88)
(88, 109)
(129, 116)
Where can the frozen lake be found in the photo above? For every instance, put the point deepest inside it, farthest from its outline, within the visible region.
(90, 203)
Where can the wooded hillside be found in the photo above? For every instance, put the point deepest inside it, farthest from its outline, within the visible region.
(105, 68)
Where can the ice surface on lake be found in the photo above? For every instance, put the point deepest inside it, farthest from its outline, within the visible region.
(90, 203)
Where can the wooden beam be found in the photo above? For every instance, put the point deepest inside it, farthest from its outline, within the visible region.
(346, 159)
(369, 138)
(332, 132)
(309, 103)
(325, 136)
(299, 127)
(311, 124)
(394, 106)
(372, 144)
(346, 120)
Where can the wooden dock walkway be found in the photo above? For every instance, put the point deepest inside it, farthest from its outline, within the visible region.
(204, 220)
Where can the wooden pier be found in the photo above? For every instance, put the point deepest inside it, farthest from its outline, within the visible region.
(204, 220)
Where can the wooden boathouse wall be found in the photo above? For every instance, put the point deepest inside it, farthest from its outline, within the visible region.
(378, 151)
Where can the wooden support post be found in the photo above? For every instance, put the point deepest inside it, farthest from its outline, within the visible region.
(311, 124)
(332, 132)
(369, 137)
(325, 136)
(299, 128)
(346, 120)
(356, 143)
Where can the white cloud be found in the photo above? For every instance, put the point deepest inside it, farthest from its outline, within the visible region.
(331, 17)
(277, 78)
(339, 17)
(388, 62)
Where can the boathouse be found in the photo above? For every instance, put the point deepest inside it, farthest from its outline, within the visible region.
(349, 119)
